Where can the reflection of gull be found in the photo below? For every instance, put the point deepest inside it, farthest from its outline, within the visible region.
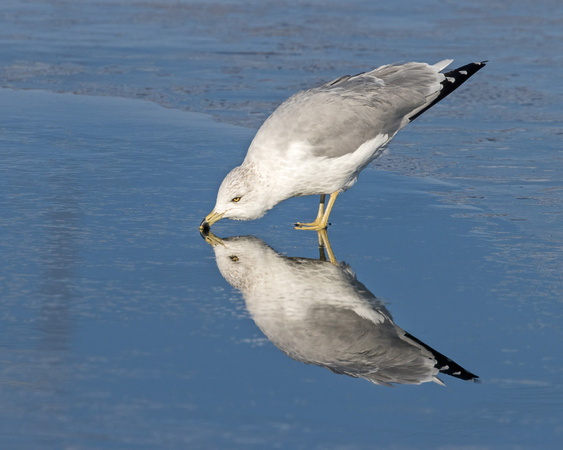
(319, 313)
(319, 140)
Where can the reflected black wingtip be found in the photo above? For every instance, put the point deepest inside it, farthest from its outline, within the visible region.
(447, 365)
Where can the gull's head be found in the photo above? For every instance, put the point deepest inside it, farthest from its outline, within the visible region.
(243, 195)
(242, 260)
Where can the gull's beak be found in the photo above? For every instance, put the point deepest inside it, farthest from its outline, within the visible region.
(210, 220)
(210, 238)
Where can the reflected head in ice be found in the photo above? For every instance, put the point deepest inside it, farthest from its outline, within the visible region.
(317, 312)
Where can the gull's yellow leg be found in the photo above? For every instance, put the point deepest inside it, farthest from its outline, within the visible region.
(320, 225)
(316, 222)
(324, 245)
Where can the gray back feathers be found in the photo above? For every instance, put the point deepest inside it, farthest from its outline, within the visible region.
(337, 117)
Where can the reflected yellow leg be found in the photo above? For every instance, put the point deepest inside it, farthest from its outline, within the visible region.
(321, 221)
(324, 245)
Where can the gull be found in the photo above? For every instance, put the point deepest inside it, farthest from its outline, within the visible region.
(317, 312)
(319, 140)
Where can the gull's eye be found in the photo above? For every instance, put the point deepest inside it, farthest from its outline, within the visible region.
(234, 258)
(236, 199)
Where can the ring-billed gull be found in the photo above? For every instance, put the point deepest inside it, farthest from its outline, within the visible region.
(319, 140)
(317, 312)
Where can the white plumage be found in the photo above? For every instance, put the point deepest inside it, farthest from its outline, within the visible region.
(319, 140)
(317, 312)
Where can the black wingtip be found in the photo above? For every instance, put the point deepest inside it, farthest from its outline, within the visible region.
(463, 73)
(454, 79)
(447, 365)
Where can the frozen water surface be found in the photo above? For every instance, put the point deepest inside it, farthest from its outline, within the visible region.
(119, 120)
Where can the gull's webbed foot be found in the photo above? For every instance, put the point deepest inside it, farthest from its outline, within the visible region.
(317, 223)
(316, 226)
(321, 221)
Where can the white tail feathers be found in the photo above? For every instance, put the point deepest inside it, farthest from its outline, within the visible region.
(438, 381)
(439, 66)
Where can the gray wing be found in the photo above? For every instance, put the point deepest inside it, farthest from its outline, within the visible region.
(345, 343)
(337, 117)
